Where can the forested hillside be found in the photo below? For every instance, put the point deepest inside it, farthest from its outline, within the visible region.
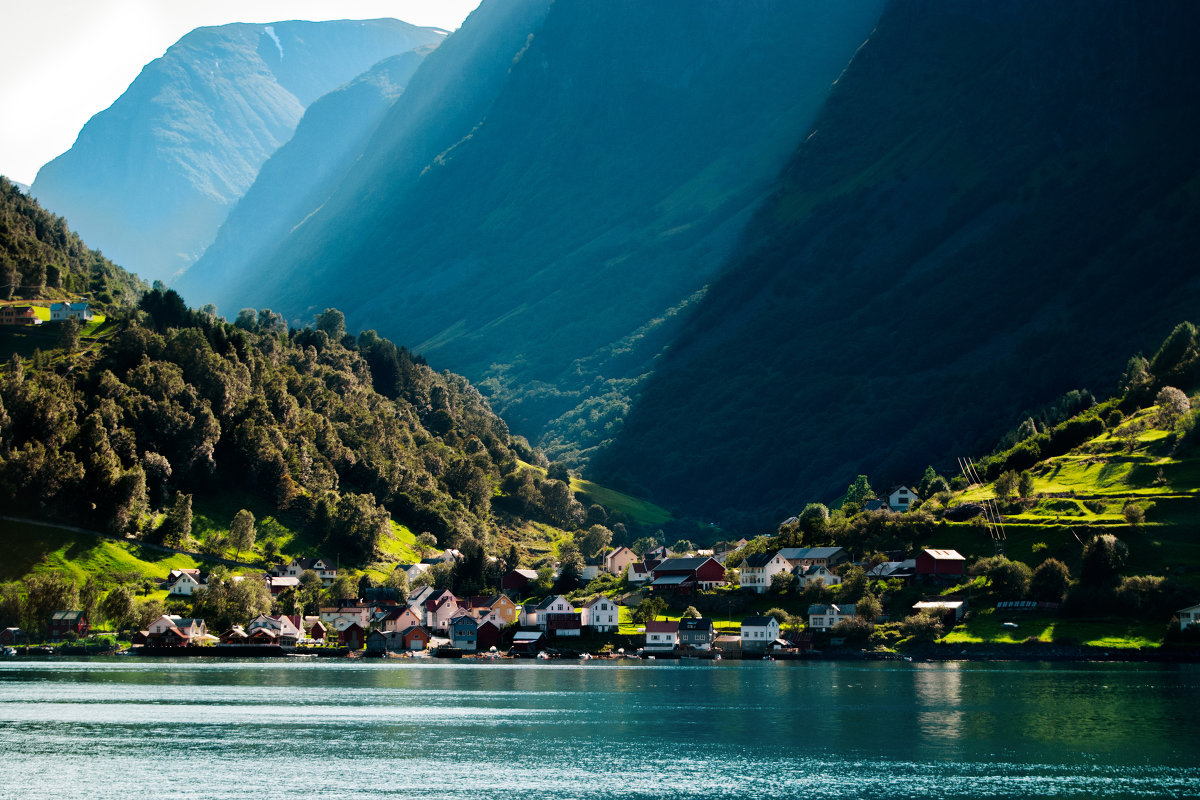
(40, 257)
(997, 202)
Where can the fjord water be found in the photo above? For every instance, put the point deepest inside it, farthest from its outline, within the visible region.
(204, 729)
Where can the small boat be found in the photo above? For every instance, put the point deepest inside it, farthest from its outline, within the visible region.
(9, 652)
(543, 656)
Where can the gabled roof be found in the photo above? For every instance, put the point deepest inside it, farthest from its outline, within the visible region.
(841, 610)
(597, 599)
(680, 564)
(531, 574)
(528, 636)
(656, 626)
(695, 624)
(943, 555)
(759, 560)
(673, 580)
(758, 622)
(549, 601)
(66, 616)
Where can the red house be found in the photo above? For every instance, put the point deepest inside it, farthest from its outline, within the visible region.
(62, 622)
(415, 638)
(353, 636)
(488, 636)
(514, 583)
(932, 563)
(674, 573)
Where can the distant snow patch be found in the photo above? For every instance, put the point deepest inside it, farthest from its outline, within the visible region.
(270, 31)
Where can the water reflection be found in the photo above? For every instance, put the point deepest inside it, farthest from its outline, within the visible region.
(938, 694)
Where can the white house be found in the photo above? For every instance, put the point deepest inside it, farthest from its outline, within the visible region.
(759, 632)
(823, 617)
(807, 556)
(325, 571)
(1189, 616)
(814, 573)
(900, 498)
(163, 624)
(63, 311)
(601, 613)
(413, 571)
(184, 582)
(341, 617)
(639, 573)
(758, 570)
(191, 630)
(440, 609)
(287, 629)
(661, 635)
(537, 615)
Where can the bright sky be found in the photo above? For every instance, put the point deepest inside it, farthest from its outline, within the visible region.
(62, 61)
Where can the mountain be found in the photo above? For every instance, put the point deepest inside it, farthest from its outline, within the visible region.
(998, 202)
(327, 141)
(151, 178)
(556, 185)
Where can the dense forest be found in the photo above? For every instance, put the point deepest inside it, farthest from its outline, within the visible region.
(41, 257)
(348, 432)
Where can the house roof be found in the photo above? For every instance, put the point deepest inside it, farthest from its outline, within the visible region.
(528, 636)
(657, 626)
(618, 551)
(1189, 609)
(66, 616)
(695, 624)
(673, 580)
(759, 560)
(595, 600)
(549, 601)
(841, 610)
(680, 564)
(943, 555)
(948, 605)
(758, 622)
(531, 574)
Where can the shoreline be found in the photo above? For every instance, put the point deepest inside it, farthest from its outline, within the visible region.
(924, 654)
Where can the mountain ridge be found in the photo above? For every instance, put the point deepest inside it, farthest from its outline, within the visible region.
(187, 137)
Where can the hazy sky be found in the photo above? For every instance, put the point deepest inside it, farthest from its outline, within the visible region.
(61, 61)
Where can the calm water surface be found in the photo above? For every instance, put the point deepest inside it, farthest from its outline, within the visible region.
(200, 729)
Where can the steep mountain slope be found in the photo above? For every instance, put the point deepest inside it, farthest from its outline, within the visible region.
(40, 257)
(540, 226)
(997, 203)
(297, 178)
(150, 179)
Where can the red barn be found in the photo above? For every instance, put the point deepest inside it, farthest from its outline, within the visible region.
(706, 572)
(513, 584)
(353, 637)
(938, 563)
(62, 622)
(488, 636)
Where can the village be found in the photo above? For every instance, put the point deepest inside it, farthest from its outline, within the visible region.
(631, 622)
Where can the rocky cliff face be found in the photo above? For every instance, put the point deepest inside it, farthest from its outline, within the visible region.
(150, 179)
(997, 205)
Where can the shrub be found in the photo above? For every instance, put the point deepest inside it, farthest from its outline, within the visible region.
(922, 627)
(1134, 514)
(853, 630)
(1050, 581)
